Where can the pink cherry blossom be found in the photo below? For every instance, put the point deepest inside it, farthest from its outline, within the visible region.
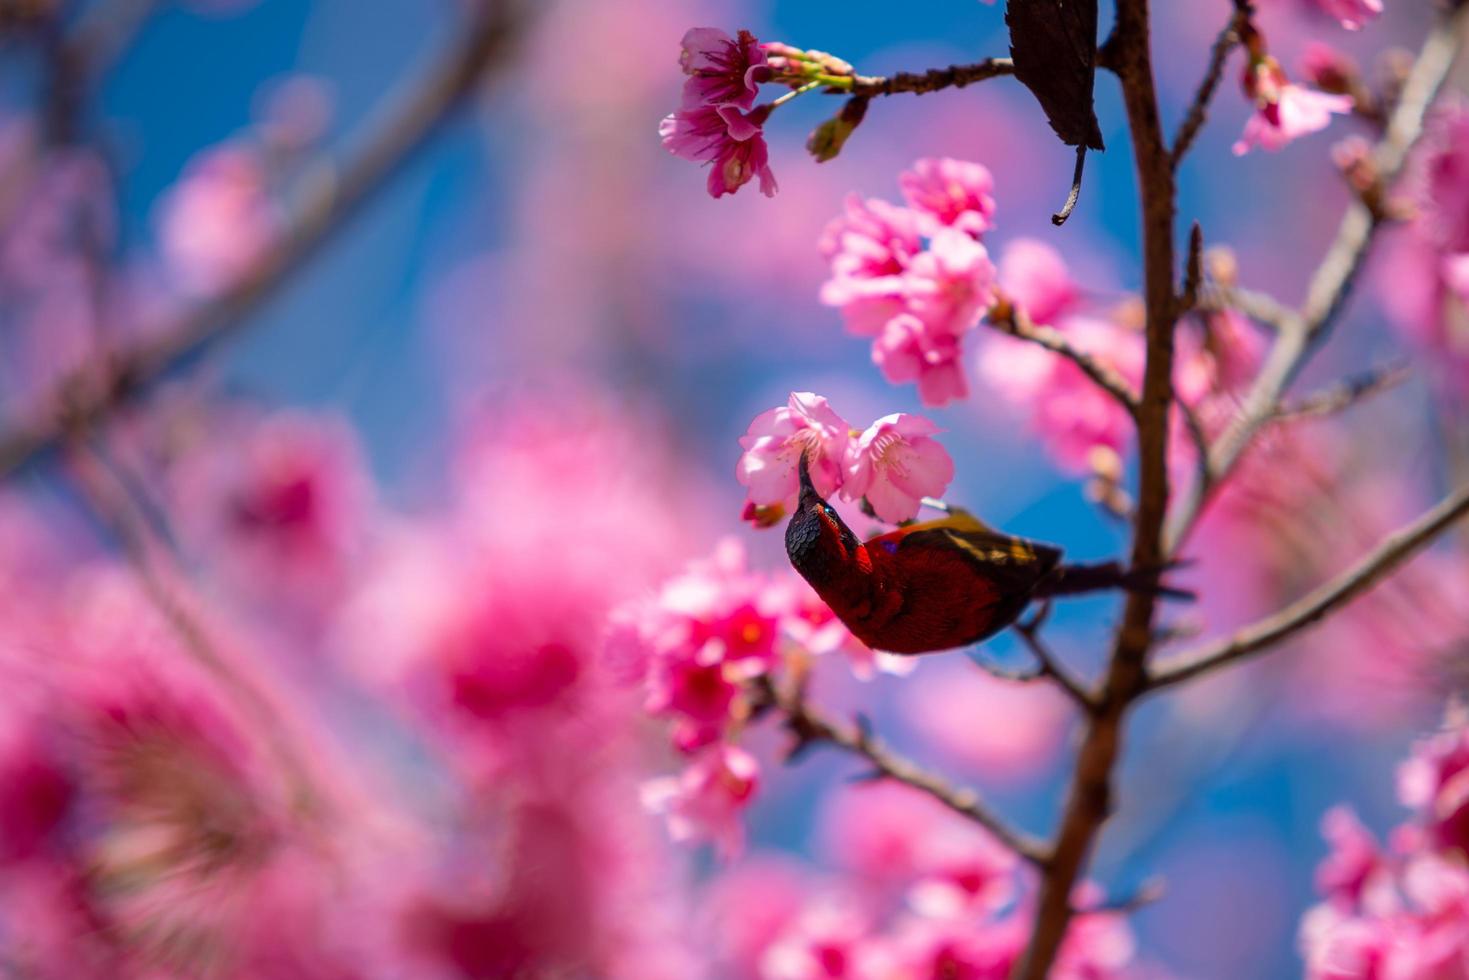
(950, 193)
(895, 463)
(1353, 14)
(951, 283)
(1354, 864)
(869, 247)
(1034, 277)
(1435, 782)
(217, 220)
(965, 879)
(908, 349)
(778, 438)
(1285, 111)
(722, 70)
(730, 140)
(708, 799)
(828, 939)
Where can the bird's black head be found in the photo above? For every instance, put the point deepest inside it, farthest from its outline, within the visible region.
(817, 540)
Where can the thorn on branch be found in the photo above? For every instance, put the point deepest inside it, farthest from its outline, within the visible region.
(1193, 271)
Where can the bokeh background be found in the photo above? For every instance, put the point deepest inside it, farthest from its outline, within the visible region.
(542, 273)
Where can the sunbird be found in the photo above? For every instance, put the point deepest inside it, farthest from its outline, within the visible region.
(936, 585)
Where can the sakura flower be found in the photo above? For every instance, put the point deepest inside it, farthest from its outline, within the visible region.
(217, 220)
(1285, 111)
(730, 140)
(869, 247)
(908, 349)
(951, 283)
(965, 879)
(895, 463)
(1353, 14)
(722, 70)
(950, 193)
(707, 800)
(1354, 865)
(1034, 277)
(827, 940)
(1435, 782)
(778, 438)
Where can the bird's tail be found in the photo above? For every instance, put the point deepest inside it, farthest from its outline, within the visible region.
(1077, 579)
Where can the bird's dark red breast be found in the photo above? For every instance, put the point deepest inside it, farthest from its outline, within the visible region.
(933, 586)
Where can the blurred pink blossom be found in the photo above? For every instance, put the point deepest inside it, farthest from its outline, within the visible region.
(217, 220)
(1034, 277)
(952, 193)
(708, 799)
(1353, 14)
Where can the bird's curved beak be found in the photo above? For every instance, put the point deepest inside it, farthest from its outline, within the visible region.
(808, 489)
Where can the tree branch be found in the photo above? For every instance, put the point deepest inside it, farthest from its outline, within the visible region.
(1346, 393)
(1301, 333)
(1198, 110)
(811, 727)
(1010, 319)
(1089, 799)
(330, 196)
(1312, 608)
(921, 83)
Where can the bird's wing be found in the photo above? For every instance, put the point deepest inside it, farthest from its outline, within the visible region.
(1012, 563)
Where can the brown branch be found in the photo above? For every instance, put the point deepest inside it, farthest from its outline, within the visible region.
(1010, 319)
(1089, 798)
(1312, 608)
(1198, 110)
(811, 727)
(1260, 307)
(1050, 666)
(1344, 394)
(328, 199)
(1301, 333)
(921, 83)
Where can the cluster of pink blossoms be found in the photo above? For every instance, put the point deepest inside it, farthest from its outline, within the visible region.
(892, 464)
(715, 123)
(1400, 911)
(916, 279)
(1425, 280)
(916, 892)
(702, 647)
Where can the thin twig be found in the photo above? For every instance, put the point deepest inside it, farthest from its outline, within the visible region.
(1051, 666)
(332, 195)
(1312, 608)
(1010, 319)
(921, 83)
(1260, 307)
(1346, 393)
(1300, 334)
(811, 727)
(1198, 110)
